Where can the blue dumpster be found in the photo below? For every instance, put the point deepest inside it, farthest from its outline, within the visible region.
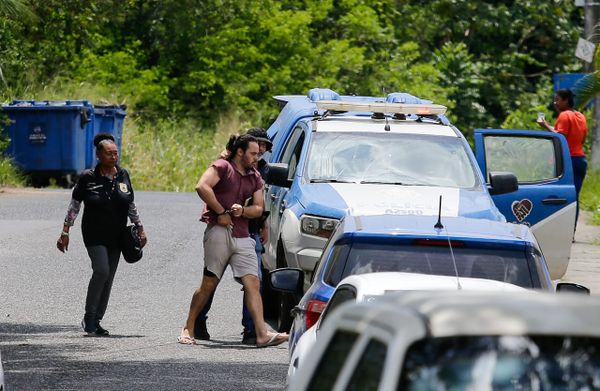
(109, 119)
(50, 139)
(566, 80)
(572, 81)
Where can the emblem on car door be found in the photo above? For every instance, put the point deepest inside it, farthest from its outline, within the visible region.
(522, 209)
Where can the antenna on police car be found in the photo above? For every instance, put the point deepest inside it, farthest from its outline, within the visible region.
(440, 226)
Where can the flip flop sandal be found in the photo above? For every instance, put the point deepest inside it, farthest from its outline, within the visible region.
(186, 340)
(272, 342)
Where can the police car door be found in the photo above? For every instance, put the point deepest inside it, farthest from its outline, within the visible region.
(546, 199)
(276, 199)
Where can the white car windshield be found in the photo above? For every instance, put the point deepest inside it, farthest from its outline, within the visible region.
(390, 158)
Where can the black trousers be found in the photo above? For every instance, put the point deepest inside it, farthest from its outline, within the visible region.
(104, 266)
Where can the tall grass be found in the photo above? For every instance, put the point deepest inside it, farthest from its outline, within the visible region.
(171, 154)
(589, 197)
(165, 154)
(9, 175)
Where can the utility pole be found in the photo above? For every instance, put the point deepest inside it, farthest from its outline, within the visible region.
(592, 16)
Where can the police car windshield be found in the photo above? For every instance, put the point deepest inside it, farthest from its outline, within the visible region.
(510, 266)
(390, 158)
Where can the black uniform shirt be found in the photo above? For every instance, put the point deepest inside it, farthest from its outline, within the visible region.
(106, 205)
(255, 225)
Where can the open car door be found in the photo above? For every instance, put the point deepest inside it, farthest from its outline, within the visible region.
(546, 199)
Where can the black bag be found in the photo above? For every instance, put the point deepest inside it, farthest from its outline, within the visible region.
(131, 247)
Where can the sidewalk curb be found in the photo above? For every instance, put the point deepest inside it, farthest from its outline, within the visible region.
(584, 266)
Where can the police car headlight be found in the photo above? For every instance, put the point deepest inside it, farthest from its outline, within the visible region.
(318, 226)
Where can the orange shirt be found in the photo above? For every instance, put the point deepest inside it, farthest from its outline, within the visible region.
(573, 126)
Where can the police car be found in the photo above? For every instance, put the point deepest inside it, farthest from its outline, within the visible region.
(334, 155)
(417, 245)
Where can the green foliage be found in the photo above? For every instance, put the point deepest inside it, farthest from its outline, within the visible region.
(171, 154)
(529, 104)
(206, 58)
(9, 175)
(144, 90)
(508, 46)
(185, 64)
(589, 197)
(459, 75)
(588, 87)
(16, 9)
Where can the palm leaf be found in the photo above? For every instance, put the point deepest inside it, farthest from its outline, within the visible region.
(16, 9)
(586, 89)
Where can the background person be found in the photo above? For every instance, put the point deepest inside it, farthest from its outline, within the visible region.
(573, 125)
(224, 187)
(108, 198)
(258, 229)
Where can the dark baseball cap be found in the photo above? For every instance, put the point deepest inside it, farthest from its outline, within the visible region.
(261, 135)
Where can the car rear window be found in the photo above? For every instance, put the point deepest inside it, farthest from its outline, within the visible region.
(502, 363)
(510, 266)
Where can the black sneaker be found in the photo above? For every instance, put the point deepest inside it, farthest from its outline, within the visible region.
(249, 337)
(200, 331)
(101, 332)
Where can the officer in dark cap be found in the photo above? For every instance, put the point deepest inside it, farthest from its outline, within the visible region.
(264, 145)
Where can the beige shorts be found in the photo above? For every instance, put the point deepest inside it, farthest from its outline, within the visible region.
(222, 249)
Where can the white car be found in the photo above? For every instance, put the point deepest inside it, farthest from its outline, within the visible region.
(463, 340)
(364, 287)
(2, 386)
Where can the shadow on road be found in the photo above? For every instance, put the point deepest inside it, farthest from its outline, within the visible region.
(53, 357)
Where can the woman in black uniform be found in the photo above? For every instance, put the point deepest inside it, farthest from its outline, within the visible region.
(108, 198)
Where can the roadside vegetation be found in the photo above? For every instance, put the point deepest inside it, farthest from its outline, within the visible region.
(589, 197)
(191, 73)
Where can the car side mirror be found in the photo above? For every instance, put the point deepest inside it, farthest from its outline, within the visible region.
(502, 183)
(572, 287)
(277, 174)
(287, 280)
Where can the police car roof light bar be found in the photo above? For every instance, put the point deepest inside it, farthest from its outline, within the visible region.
(382, 107)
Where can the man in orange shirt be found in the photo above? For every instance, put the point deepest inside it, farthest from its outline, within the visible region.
(573, 125)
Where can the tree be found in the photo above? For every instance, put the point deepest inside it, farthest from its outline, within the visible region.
(585, 90)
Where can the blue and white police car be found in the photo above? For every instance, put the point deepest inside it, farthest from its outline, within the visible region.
(420, 245)
(335, 155)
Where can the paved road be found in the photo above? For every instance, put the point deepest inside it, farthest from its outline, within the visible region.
(42, 293)
(584, 267)
(41, 304)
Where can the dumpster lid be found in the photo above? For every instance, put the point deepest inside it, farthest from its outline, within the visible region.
(22, 104)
